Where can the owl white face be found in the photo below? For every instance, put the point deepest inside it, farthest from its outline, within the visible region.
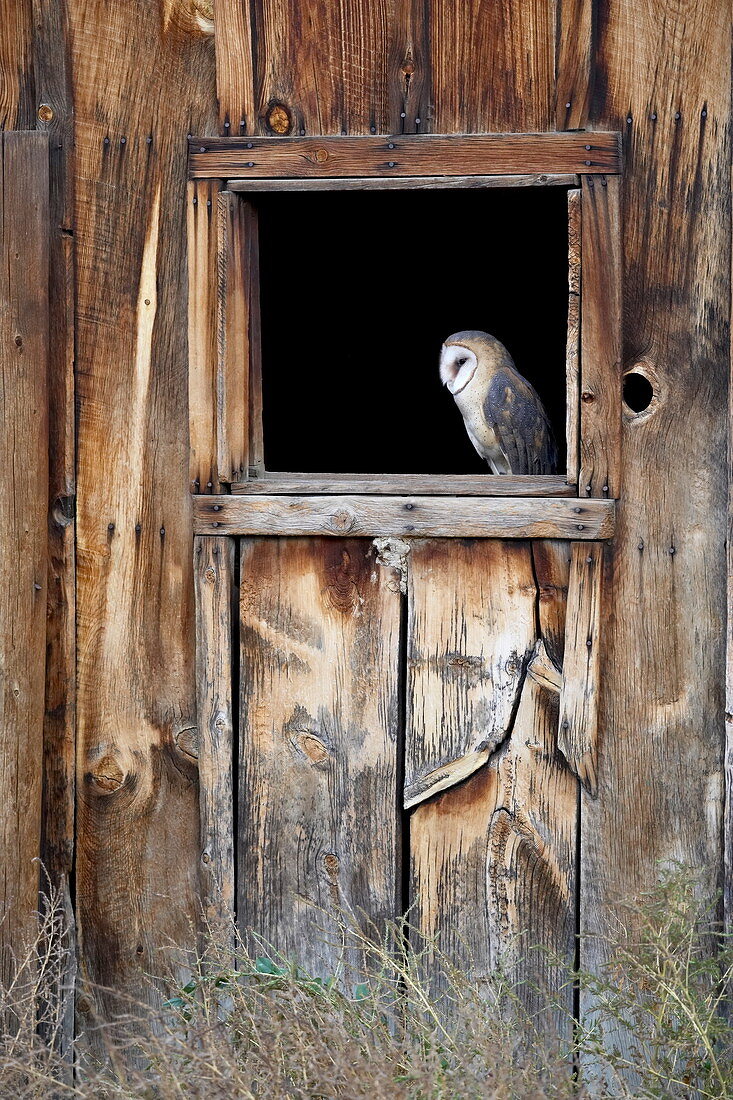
(457, 367)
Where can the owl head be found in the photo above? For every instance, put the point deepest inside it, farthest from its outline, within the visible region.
(460, 356)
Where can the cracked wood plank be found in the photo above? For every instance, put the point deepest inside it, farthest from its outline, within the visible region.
(24, 344)
(578, 731)
(572, 352)
(143, 78)
(319, 713)
(468, 650)
(214, 580)
(600, 338)
(661, 753)
(493, 858)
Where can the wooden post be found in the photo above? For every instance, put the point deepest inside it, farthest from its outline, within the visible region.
(24, 313)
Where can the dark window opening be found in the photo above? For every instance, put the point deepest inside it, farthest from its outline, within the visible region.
(358, 292)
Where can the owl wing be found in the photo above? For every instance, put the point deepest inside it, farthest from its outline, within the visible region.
(518, 418)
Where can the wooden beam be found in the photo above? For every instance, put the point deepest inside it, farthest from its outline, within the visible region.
(214, 579)
(405, 155)
(408, 183)
(444, 517)
(600, 339)
(577, 737)
(279, 484)
(24, 336)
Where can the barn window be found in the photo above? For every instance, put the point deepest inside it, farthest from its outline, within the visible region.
(341, 264)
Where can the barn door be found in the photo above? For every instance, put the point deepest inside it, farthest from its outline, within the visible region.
(397, 675)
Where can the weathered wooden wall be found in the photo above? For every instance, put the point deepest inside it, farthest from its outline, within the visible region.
(140, 77)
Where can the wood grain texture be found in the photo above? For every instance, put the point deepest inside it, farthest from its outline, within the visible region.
(318, 746)
(572, 347)
(447, 517)
(660, 777)
(298, 484)
(574, 79)
(215, 656)
(493, 859)
(234, 66)
(337, 68)
(404, 155)
(468, 651)
(54, 116)
(143, 78)
(24, 321)
(492, 65)
(17, 79)
(408, 183)
(251, 270)
(579, 698)
(600, 339)
(232, 378)
(202, 239)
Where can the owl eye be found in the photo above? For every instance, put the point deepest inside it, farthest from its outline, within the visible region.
(462, 362)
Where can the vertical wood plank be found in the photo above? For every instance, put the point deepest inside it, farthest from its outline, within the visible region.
(318, 799)
(492, 66)
(660, 771)
(203, 333)
(251, 262)
(338, 68)
(467, 657)
(572, 353)
(234, 66)
(24, 318)
(578, 733)
(232, 383)
(574, 64)
(600, 338)
(17, 86)
(54, 116)
(493, 859)
(143, 78)
(214, 579)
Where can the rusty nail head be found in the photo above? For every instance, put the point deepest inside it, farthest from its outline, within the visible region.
(45, 112)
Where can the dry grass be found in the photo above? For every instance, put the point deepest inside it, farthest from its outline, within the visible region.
(261, 1027)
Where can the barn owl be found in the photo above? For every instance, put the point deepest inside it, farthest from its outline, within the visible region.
(504, 417)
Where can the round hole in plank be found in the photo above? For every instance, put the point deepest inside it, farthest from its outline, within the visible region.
(638, 391)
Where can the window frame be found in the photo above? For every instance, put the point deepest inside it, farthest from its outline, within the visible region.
(225, 369)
